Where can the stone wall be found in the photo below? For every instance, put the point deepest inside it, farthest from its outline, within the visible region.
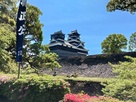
(90, 88)
(100, 70)
(91, 66)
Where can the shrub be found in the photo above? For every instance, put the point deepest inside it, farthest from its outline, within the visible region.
(121, 89)
(33, 89)
(124, 86)
(106, 99)
(77, 98)
(87, 98)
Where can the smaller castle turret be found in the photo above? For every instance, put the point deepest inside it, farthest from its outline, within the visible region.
(57, 37)
(74, 39)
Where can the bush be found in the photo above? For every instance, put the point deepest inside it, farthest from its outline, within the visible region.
(87, 98)
(33, 89)
(124, 86)
(106, 99)
(77, 98)
(121, 89)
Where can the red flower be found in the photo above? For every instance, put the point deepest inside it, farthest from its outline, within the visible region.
(77, 98)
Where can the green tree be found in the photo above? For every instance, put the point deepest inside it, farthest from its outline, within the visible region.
(124, 85)
(114, 43)
(124, 5)
(7, 37)
(33, 48)
(37, 55)
(43, 60)
(132, 42)
(33, 34)
(8, 11)
(46, 59)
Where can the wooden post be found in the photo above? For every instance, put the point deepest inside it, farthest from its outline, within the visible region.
(19, 67)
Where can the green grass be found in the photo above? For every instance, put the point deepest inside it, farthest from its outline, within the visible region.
(88, 79)
(91, 79)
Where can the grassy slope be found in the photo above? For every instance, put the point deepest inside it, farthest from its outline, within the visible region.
(92, 79)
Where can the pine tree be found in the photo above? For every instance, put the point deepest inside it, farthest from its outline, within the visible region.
(124, 85)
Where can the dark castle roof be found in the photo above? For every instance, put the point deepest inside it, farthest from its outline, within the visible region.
(73, 46)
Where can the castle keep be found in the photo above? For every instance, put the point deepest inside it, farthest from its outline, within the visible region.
(73, 46)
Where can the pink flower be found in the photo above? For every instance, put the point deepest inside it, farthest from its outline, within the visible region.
(76, 98)
(26, 88)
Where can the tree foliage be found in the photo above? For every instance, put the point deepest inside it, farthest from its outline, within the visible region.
(114, 43)
(33, 34)
(132, 42)
(8, 11)
(48, 60)
(125, 70)
(33, 25)
(7, 38)
(7, 35)
(124, 86)
(124, 5)
(34, 52)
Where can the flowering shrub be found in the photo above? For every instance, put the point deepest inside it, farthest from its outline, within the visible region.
(33, 89)
(87, 98)
(78, 98)
(4, 79)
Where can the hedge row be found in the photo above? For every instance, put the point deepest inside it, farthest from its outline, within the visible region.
(33, 89)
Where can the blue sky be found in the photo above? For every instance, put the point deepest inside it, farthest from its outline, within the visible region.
(88, 17)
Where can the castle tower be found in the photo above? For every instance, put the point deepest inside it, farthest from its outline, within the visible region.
(65, 48)
(57, 37)
(74, 39)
